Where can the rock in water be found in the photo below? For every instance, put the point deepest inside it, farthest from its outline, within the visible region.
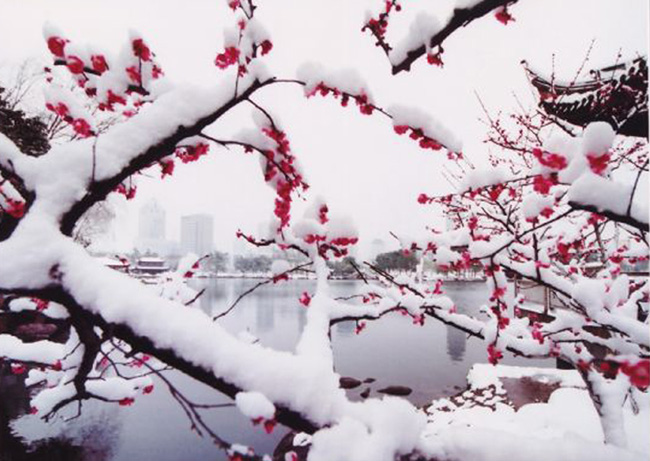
(345, 382)
(396, 390)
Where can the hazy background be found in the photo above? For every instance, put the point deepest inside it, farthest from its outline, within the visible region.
(356, 162)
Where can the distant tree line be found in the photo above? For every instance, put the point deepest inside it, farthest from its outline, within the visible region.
(252, 264)
(217, 261)
(396, 261)
(343, 268)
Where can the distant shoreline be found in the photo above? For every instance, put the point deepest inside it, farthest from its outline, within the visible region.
(267, 276)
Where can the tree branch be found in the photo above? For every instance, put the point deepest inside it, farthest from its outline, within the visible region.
(460, 18)
(623, 219)
(98, 190)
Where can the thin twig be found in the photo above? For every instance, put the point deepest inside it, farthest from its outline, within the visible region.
(255, 287)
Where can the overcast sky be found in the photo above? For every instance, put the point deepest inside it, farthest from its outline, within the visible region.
(354, 161)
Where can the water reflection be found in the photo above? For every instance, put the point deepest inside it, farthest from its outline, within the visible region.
(84, 439)
(432, 360)
(214, 290)
(456, 340)
(302, 320)
(265, 317)
(344, 329)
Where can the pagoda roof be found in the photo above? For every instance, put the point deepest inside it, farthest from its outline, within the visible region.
(615, 94)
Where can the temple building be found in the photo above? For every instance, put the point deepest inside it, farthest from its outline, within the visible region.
(616, 94)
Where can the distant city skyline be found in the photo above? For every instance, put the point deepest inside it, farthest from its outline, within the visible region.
(197, 234)
(380, 194)
(152, 228)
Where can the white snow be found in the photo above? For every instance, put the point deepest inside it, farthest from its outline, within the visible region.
(420, 32)
(37, 256)
(431, 128)
(254, 405)
(533, 204)
(482, 375)
(483, 177)
(607, 195)
(567, 427)
(53, 310)
(45, 352)
(346, 80)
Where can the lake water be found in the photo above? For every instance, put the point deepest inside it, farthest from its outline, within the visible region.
(433, 360)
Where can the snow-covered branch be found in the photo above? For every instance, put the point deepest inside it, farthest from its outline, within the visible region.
(427, 33)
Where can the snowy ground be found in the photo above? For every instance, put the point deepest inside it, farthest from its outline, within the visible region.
(550, 408)
(519, 413)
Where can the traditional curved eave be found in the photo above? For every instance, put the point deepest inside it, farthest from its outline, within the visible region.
(616, 94)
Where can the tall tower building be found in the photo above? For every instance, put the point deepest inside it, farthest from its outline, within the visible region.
(197, 234)
(152, 230)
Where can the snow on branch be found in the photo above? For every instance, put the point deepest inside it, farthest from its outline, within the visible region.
(151, 135)
(519, 221)
(427, 33)
(349, 86)
(610, 198)
(43, 352)
(564, 216)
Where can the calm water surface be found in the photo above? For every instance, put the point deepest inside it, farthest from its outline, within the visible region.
(433, 360)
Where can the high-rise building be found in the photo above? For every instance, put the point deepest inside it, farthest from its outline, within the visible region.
(152, 231)
(197, 234)
(377, 247)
